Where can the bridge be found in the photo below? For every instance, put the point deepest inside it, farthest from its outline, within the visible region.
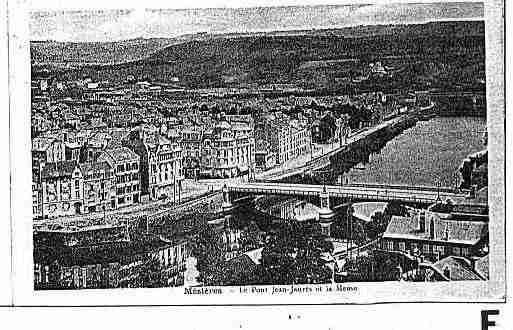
(356, 192)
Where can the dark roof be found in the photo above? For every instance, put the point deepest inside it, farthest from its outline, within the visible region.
(459, 268)
(483, 267)
(99, 253)
(445, 230)
(59, 169)
(121, 154)
(95, 167)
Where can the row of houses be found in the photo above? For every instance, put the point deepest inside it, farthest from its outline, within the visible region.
(110, 265)
(97, 174)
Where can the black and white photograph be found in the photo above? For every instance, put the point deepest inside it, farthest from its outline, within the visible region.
(266, 151)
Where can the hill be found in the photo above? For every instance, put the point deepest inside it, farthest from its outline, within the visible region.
(442, 54)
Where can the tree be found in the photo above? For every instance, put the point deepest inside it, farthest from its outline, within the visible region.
(293, 254)
(208, 249)
(250, 237)
(150, 274)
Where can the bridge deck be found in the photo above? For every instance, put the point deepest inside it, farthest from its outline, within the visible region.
(371, 192)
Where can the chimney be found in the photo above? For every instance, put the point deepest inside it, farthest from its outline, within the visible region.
(447, 272)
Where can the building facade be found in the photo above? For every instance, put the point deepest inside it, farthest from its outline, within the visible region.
(99, 186)
(286, 137)
(125, 163)
(61, 189)
(161, 162)
(228, 151)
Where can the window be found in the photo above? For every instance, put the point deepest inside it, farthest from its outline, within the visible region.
(121, 200)
(426, 249)
(77, 184)
(402, 246)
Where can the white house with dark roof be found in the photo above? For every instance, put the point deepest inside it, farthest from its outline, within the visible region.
(433, 238)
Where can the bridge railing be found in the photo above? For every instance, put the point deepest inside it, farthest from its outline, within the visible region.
(384, 195)
(405, 187)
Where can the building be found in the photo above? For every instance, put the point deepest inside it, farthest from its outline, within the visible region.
(36, 199)
(428, 236)
(108, 265)
(99, 186)
(160, 162)
(454, 269)
(286, 137)
(324, 128)
(46, 150)
(61, 189)
(228, 150)
(125, 163)
(191, 143)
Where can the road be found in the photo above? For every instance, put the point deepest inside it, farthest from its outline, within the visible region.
(361, 191)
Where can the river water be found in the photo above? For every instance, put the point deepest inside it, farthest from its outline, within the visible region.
(426, 154)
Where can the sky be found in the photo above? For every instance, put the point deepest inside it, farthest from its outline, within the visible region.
(48, 20)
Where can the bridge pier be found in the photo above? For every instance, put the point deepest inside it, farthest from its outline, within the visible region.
(325, 213)
(227, 205)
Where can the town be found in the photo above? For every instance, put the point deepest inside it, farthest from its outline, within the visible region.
(147, 183)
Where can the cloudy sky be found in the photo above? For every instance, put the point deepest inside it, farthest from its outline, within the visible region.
(47, 22)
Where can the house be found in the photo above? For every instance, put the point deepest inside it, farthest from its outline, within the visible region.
(228, 150)
(429, 236)
(107, 265)
(61, 189)
(288, 138)
(160, 162)
(46, 150)
(454, 269)
(99, 186)
(125, 163)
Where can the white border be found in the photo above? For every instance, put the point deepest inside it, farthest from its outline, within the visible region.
(491, 291)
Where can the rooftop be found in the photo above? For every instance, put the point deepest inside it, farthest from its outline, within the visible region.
(459, 269)
(445, 230)
(59, 169)
(95, 167)
(121, 154)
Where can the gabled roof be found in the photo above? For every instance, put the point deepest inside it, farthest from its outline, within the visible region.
(121, 154)
(459, 269)
(445, 230)
(483, 267)
(59, 169)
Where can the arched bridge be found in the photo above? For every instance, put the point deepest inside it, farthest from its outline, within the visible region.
(361, 192)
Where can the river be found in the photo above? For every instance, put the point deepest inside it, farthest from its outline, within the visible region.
(425, 154)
